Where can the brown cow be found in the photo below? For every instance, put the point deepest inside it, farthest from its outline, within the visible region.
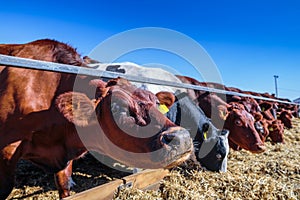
(276, 130)
(44, 119)
(250, 104)
(293, 108)
(272, 128)
(286, 117)
(262, 124)
(275, 126)
(268, 110)
(285, 112)
(232, 117)
(266, 126)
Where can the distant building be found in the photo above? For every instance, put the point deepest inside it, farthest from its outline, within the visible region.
(297, 100)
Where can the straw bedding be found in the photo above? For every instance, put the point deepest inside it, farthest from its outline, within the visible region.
(274, 174)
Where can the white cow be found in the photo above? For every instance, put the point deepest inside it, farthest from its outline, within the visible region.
(137, 70)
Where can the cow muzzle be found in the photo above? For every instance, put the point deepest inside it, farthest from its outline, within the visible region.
(178, 145)
(258, 148)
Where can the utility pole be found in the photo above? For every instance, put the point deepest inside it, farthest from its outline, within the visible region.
(276, 90)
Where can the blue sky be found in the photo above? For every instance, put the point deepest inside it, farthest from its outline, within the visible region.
(249, 41)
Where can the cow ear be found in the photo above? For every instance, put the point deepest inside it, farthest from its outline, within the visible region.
(166, 98)
(101, 88)
(258, 116)
(223, 112)
(236, 98)
(89, 60)
(76, 107)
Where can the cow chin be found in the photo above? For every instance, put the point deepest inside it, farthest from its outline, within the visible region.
(179, 160)
(255, 148)
(165, 154)
(155, 161)
(169, 158)
(166, 160)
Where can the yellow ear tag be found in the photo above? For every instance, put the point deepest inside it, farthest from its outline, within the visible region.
(271, 129)
(163, 108)
(205, 135)
(262, 109)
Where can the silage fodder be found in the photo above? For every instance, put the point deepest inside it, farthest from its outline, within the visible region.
(274, 174)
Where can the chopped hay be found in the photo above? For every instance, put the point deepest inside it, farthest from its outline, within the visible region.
(274, 174)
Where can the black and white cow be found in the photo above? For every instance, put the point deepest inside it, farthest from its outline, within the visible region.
(211, 144)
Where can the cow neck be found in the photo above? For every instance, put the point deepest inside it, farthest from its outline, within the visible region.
(195, 115)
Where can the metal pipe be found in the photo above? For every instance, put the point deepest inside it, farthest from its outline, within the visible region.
(276, 89)
(57, 67)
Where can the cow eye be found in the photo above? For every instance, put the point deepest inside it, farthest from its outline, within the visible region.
(238, 122)
(219, 156)
(141, 104)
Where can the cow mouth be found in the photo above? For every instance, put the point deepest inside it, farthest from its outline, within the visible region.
(179, 159)
(258, 148)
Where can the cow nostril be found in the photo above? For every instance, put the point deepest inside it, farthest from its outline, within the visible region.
(177, 139)
(260, 146)
(167, 138)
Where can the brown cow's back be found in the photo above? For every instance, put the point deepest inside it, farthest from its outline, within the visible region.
(20, 85)
(24, 91)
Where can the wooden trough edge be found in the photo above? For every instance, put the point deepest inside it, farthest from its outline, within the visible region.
(147, 179)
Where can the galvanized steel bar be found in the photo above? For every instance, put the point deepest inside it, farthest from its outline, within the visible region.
(57, 67)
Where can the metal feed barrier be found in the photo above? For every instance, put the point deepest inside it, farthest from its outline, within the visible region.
(56, 67)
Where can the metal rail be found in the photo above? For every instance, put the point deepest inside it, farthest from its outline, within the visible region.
(56, 67)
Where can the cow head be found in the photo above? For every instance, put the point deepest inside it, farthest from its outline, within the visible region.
(295, 110)
(210, 143)
(261, 126)
(249, 103)
(286, 117)
(132, 130)
(241, 126)
(276, 129)
(268, 109)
